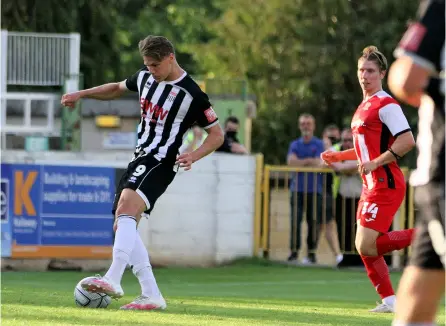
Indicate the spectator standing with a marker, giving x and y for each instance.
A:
(231, 143)
(305, 192)
(330, 137)
(347, 187)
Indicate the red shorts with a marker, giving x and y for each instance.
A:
(377, 208)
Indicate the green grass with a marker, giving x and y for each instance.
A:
(241, 294)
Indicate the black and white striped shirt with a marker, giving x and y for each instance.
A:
(424, 43)
(168, 110)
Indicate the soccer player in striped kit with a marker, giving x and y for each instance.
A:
(171, 103)
(417, 78)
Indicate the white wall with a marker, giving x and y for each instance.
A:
(205, 217)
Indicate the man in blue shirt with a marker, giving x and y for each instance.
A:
(306, 188)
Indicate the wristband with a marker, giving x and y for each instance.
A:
(394, 154)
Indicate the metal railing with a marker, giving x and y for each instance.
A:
(276, 219)
(39, 59)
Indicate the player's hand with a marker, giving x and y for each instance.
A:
(70, 99)
(115, 225)
(185, 161)
(367, 167)
(330, 157)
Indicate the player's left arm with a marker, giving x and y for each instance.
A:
(213, 141)
(393, 117)
(419, 56)
(208, 120)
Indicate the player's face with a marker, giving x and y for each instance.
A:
(369, 76)
(160, 70)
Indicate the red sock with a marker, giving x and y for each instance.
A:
(395, 240)
(378, 273)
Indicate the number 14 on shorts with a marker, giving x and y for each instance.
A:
(369, 208)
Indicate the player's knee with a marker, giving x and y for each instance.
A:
(365, 248)
(127, 209)
(130, 203)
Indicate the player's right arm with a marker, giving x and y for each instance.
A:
(331, 156)
(104, 92)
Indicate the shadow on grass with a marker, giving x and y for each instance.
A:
(195, 313)
(69, 320)
(319, 316)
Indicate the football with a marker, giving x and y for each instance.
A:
(87, 299)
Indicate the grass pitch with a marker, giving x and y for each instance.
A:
(242, 294)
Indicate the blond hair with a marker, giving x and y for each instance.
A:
(371, 53)
(156, 47)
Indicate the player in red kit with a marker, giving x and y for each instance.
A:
(381, 137)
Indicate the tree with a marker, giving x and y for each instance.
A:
(300, 56)
(297, 55)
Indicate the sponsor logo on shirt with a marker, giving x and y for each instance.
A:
(413, 37)
(210, 114)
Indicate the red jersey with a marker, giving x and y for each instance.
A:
(375, 125)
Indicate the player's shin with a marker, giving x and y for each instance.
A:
(378, 273)
(140, 262)
(124, 243)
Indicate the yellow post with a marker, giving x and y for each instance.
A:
(411, 214)
(403, 212)
(258, 204)
(265, 215)
(248, 132)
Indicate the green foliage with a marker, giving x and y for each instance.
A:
(300, 56)
(297, 55)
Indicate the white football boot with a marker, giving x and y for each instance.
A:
(383, 308)
(146, 303)
(99, 284)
